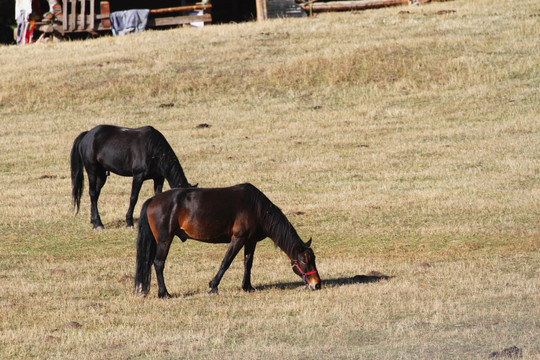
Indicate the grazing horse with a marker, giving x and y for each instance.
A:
(142, 153)
(240, 215)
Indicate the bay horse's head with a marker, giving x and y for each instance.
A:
(304, 266)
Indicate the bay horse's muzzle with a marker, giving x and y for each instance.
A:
(311, 278)
(314, 283)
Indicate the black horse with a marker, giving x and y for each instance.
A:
(142, 153)
(240, 215)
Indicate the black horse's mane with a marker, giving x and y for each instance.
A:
(276, 225)
(165, 158)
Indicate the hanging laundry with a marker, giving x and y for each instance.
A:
(129, 21)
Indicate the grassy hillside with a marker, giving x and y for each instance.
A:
(405, 141)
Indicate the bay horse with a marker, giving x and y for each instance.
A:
(141, 153)
(240, 215)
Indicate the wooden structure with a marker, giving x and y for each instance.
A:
(80, 16)
(92, 16)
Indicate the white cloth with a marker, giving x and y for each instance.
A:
(128, 21)
(25, 5)
(22, 28)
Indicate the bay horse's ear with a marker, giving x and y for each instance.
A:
(308, 244)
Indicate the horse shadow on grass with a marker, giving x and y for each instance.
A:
(371, 277)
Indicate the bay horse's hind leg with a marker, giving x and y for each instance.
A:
(96, 180)
(232, 251)
(135, 189)
(159, 264)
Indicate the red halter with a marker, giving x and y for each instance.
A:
(304, 274)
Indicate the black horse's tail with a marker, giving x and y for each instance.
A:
(146, 252)
(77, 175)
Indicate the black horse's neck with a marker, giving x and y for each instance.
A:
(165, 160)
(174, 173)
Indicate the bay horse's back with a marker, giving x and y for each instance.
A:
(230, 209)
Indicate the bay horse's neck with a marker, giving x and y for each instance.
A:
(290, 246)
(283, 234)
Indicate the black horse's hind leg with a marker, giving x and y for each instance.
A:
(96, 180)
(158, 185)
(135, 189)
(249, 250)
(159, 265)
(232, 251)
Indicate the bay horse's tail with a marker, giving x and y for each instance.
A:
(146, 252)
(77, 174)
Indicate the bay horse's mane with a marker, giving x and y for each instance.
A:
(165, 158)
(275, 224)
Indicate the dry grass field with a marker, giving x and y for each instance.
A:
(405, 141)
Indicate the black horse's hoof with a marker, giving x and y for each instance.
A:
(213, 291)
(99, 228)
(248, 289)
(166, 295)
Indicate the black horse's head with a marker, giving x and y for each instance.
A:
(304, 266)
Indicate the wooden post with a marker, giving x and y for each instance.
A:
(73, 21)
(352, 5)
(65, 15)
(181, 8)
(105, 9)
(83, 14)
(92, 15)
(262, 12)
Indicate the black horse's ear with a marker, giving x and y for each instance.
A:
(196, 185)
(308, 244)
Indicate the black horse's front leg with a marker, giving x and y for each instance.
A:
(158, 185)
(232, 251)
(135, 189)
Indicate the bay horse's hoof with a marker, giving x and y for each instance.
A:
(165, 296)
(130, 227)
(213, 291)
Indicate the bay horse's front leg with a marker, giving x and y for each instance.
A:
(249, 250)
(135, 189)
(232, 251)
